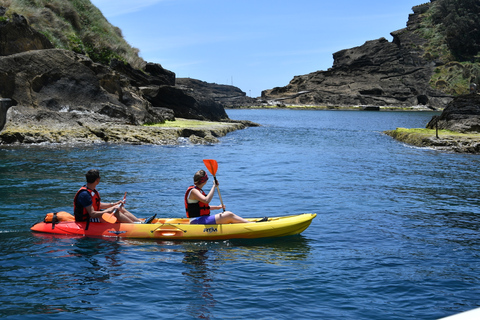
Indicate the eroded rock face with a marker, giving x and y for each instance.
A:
(55, 79)
(462, 114)
(187, 104)
(5, 104)
(47, 84)
(380, 73)
(226, 95)
(17, 36)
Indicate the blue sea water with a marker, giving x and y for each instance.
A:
(396, 235)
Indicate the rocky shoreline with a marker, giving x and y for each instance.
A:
(85, 130)
(344, 108)
(447, 141)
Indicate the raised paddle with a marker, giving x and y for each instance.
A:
(110, 217)
(212, 167)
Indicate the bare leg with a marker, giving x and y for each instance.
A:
(125, 216)
(229, 217)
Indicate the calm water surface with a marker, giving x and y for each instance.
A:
(396, 236)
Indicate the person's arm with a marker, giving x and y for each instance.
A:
(197, 195)
(104, 205)
(85, 201)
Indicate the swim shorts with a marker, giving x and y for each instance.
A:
(203, 220)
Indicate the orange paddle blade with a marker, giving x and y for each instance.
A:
(211, 165)
(109, 217)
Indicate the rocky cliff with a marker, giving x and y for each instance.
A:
(379, 73)
(226, 95)
(47, 84)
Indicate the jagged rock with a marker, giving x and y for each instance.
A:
(462, 114)
(378, 73)
(154, 74)
(59, 86)
(17, 36)
(56, 79)
(5, 104)
(226, 95)
(185, 103)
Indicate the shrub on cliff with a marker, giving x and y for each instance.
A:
(452, 28)
(459, 22)
(76, 25)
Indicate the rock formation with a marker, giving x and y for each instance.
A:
(462, 114)
(4, 105)
(226, 95)
(17, 36)
(379, 73)
(48, 85)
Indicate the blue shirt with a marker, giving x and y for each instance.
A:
(84, 199)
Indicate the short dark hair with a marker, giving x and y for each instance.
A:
(92, 175)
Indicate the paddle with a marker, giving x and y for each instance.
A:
(212, 167)
(110, 217)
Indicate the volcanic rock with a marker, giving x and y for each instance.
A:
(462, 114)
(17, 36)
(52, 87)
(379, 72)
(226, 95)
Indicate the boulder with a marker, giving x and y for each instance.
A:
(462, 114)
(17, 36)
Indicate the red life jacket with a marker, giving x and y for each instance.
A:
(80, 212)
(196, 209)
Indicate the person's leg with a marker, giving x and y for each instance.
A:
(125, 216)
(229, 217)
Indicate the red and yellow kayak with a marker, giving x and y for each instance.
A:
(181, 229)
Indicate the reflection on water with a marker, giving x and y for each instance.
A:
(199, 279)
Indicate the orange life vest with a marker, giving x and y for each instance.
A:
(196, 209)
(80, 212)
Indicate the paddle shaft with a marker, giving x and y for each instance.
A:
(218, 190)
(108, 216)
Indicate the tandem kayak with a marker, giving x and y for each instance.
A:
(181, 229)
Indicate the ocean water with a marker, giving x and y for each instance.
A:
(395, 237)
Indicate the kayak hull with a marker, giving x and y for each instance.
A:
(181, 229)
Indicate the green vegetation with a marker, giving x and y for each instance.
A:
(184, 123)
(447, 140)
(419, 134)
(76, 25)
(452, 31)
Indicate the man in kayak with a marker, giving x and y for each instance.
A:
(87, 204)
(198, 208)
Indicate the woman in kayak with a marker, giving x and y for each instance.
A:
(198, 208)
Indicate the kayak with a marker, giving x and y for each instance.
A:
(181, 229)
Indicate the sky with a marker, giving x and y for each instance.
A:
(252, 44)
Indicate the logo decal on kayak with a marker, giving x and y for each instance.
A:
(210, 230)
(117, 232)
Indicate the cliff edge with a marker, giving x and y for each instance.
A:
(379, 73)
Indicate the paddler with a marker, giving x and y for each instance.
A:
(87, 204)
(198, 208)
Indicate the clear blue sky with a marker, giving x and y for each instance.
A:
(252, 44)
